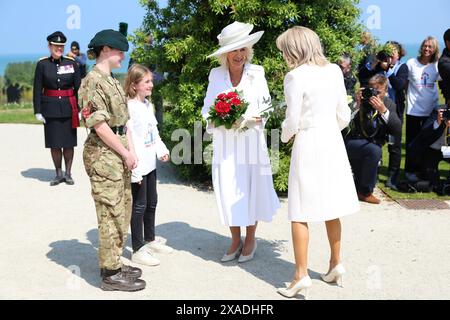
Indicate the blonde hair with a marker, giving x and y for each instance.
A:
(434, 44)
(224, 61)
(135, 74)
(301, 45)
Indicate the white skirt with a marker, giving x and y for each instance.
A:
(242, 177)
(321, 186)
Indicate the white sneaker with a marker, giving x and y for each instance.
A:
(158, 247)
(142, 256)
(160, 239)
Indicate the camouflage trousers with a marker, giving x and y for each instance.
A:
(111, 190)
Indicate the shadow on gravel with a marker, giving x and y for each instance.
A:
(81, 259)
(45, 175)
(210, 246)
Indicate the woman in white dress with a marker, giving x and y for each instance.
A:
(321, 186)
(241, 171)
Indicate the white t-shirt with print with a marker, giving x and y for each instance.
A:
(422, 88)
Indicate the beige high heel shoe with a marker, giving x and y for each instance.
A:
(301, 285)
(243, 258)
(229, 257)
(335, 275)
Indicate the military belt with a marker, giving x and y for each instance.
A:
(117, 130)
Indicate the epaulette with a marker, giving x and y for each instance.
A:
(70, 58)
(43, 58)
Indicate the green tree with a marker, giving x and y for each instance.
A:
(21, 73)
(185, 32)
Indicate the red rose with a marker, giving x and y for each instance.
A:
(221, 96)
(232, 95)
(235, 101)
(222, 107)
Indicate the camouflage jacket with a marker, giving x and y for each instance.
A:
(102, 98)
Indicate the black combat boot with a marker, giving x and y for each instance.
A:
(129, 271)
(116, 280)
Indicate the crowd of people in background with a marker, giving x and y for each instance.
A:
(398, 88)
(123, 144)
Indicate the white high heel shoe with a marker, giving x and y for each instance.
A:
(228, 257)
(243, 258)
(302, 285)
(335, 275)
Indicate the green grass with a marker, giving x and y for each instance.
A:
(17, 115)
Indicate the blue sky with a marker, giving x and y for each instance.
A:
(408, 22)
(25, 30)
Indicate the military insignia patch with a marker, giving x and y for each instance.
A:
(86, 111)
(66, 69)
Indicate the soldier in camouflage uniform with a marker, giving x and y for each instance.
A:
(109, 158)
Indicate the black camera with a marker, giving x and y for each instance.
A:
(383, 56)
(368, 93)
(446, 114)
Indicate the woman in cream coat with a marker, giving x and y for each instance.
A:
(241, 171)
(321, 186)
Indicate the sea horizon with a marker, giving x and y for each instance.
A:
(6, 59)
(411, 52)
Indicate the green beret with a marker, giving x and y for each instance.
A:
(110, 38)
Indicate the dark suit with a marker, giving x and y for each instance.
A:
(425, 157)
(47, 77)
(364, 152)
(444, 72)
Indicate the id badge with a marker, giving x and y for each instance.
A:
(445, 152)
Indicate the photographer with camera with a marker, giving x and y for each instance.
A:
(388, 62)
(444, 68)
(431, 146)
(375, 118)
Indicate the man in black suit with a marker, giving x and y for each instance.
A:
(444, 68)
(375, 119)
(426, 148)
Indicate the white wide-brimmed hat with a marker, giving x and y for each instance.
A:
(236, 35)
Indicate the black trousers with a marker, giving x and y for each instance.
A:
(413, 126)
(431, 161)
(395, 153)
(364, 157)
(145, 199)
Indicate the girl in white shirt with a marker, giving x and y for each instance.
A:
(422, 95)
(148, 146)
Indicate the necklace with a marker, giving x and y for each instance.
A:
(235, 82)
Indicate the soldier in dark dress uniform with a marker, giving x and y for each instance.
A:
(56, 82)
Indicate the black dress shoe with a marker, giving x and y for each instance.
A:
(128, 271)
(121, 282)
(132, 272)
(68, 179)
(57, 180)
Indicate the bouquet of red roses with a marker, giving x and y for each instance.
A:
(228, 109)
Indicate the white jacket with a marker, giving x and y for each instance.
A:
(147, 142)
(321, 186)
